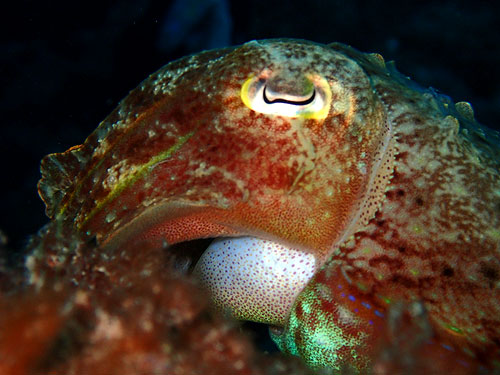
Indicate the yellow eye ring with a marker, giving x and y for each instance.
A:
(316, 106)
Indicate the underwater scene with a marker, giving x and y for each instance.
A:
(225, 187)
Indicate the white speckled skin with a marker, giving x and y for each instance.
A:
(256, 279)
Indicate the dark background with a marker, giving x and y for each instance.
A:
(64, 67)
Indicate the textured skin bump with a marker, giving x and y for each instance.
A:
(255, 279)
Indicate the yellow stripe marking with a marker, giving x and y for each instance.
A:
(138, 174)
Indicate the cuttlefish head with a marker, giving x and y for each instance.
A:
(280, 149)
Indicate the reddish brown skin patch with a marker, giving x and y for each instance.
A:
(133, 314)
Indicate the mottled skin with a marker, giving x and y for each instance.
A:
(435, 238)
(184, 144)
(394, 188)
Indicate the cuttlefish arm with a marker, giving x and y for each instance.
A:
(320, 151)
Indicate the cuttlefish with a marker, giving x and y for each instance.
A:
(347, 204)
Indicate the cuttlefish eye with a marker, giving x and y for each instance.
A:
(287, 94)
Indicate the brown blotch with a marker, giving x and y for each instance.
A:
(496, 340)
(490, 273)
(419, 201)
(403, 280)
(448, 271)
(396, 177)
(92, 241)
(401, 155)
(418, 121)
(400, 193)
(402, 249)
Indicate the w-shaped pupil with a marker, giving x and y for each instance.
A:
(287, 101)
